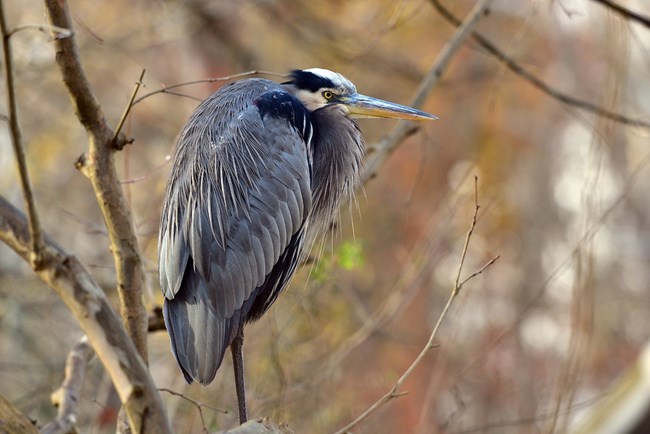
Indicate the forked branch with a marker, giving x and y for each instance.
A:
(394, 392)
(92, 310)
(99, 166)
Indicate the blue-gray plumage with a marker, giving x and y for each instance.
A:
(260, 170)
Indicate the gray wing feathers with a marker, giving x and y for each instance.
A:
(185, 320)
(226, 223)
(172, 263)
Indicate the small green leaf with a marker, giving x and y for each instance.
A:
(350, 255)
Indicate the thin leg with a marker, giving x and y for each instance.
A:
(237, 348)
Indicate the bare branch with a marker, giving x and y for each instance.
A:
(35, 235)
(167, 89)
(92, 310)
(99, 167)
(166, 161)
(57, 32)
(127, 109)
(468, 237)
(394, 391)
(480, 270)
(199, 406)
(12, 421)
(458, 283)
(67, 397)
(535, 81)
(625, 13)
(379, 152)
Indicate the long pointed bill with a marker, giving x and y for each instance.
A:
(361, 106)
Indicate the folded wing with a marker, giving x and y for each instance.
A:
(233, 218)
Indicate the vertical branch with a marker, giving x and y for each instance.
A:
(68, 396)
(99, 167)
(35, 235)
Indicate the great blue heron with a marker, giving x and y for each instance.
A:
(260, 170)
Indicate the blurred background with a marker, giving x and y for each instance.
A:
(528, 347)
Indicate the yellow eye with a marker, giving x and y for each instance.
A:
(328, 95)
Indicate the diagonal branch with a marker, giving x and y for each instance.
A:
(394, 392)
(537, 82)
(35, 235)
(127, 110)
(625, 12)
(13, 421)
(99, 166)
(378, 153)
(92, 310)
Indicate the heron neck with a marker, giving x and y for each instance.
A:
(337, 154)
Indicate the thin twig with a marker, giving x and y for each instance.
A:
(35, 234)
(531, 421)
(166, 89)
(537, 82)
(127, 109)
(458, 284)
(587, 237)
(182, 95)
(625, 13)
(167, 160)
(480, 270)
(67, 397)
(199, 405)
(379, 152)
(58, 32)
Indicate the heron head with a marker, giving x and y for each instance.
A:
(317, 88)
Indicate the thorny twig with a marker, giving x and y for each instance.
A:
(458, 284)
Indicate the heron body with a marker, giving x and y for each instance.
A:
(260, 170)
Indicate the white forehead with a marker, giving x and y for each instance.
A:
(336, 78)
